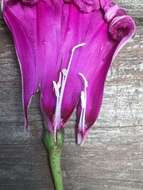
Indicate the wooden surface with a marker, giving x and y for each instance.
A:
(112, 158)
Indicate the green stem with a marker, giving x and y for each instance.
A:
(54, 149)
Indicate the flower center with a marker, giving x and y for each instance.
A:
(59, 88)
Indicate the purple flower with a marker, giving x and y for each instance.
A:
(64, 51)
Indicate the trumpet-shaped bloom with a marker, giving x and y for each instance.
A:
(64, 50)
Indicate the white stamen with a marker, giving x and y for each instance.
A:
(64, 72)
(84, 80)
(72, 53)
(59, 81)
(60, 87)
(83, 103)
(56, 88)
(83, 100)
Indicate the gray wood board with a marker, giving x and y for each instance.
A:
(112, 157)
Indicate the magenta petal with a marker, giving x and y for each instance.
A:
(22, 27)
(121, 29)
(87, 5)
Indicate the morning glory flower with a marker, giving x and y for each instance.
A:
(65, 49)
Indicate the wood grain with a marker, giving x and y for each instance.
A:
(112, 158)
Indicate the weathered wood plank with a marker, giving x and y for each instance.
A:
(134, 7)
(26, 167)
